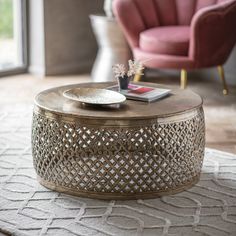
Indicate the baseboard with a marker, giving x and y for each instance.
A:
(62, 69)
(230, 78)
(72, 68)
(37, 70)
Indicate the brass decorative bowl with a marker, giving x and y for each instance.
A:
(94, 96)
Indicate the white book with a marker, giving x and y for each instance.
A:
(142, 93)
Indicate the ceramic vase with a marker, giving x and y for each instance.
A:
(123, 82)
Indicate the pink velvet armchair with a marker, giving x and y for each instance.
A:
(179, 34)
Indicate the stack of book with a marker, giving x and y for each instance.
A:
(142, 93)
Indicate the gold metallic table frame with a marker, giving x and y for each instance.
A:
(122, 158)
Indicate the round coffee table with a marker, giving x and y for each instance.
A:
(139, 150)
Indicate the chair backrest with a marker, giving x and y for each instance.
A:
(135, 16)
(170, 12)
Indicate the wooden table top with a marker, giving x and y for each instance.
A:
(177, 102)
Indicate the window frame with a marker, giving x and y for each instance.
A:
(24, 40)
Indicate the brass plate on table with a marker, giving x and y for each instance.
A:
(94, 96)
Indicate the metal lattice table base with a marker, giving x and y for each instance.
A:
(118, 159)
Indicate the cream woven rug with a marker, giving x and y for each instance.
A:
(26, 208)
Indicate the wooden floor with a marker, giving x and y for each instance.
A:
(220, 110)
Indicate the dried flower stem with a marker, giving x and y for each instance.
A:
(135, 67)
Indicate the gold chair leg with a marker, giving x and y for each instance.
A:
(137, 77)
(222, 76)
(183, 79)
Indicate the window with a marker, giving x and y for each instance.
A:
(12, 36)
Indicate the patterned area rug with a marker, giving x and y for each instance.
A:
(27, 208)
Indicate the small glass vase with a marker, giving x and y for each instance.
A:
(123, 82)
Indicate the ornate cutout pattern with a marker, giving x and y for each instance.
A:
(153, 158)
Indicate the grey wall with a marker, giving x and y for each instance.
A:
(69, 41)
(64, 28)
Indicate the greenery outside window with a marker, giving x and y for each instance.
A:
(12, 36)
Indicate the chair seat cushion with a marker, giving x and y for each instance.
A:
(170, 40)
